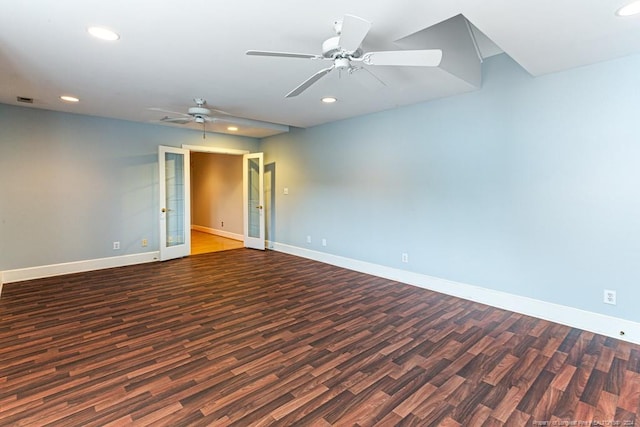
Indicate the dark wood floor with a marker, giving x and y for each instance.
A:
(244, 337)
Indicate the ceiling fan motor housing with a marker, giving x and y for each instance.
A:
(331, 49)
(199, 111)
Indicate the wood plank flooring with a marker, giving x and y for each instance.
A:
(245, 337)
(202, 243)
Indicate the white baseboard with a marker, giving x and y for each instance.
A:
(21, 274)
(217, 232)
(570, 316)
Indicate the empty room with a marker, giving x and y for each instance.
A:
(431, 213)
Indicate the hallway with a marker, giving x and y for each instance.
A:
(204, 242)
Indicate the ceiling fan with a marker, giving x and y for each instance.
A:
(344, 49)
(200, 113)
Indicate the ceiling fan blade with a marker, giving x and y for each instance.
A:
(176, 113)
(406, 58)
(178, 120)
(282, 54)
(354, 30)
(311, 80)
(215, 110)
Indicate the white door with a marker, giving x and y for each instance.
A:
(175, 202)
(253, 193)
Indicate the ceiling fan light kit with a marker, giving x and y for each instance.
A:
(345, 49)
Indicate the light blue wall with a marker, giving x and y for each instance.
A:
(529, 186)
(71, 185)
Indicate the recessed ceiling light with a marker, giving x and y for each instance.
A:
(632, 8)
(329, 99)
(69, 98)
(103, 33)
(232, 128)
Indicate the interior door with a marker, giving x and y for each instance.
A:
(253, 194)
(175, 202)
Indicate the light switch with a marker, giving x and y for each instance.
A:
(286, 190)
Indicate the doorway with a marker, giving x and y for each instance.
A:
(216, 202)
(176, 220)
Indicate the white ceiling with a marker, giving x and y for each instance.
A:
(171, 52)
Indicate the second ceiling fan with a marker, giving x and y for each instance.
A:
(344, 48)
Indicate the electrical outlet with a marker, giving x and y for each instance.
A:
(308, 239)
(405, 257)
(222, 224)
(609, 297)
(116, 246)
(324, 242)
(145, 242)
(286, 191)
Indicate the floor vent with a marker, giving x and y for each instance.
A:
(24, 99)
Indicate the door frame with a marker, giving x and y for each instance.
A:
(215, 150)
(249, 243)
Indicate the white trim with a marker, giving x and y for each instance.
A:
(217, 232)
(248, 204)
(176, 249)
(214, 150)
(1, 282)
(589, 321)
(21, 274)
